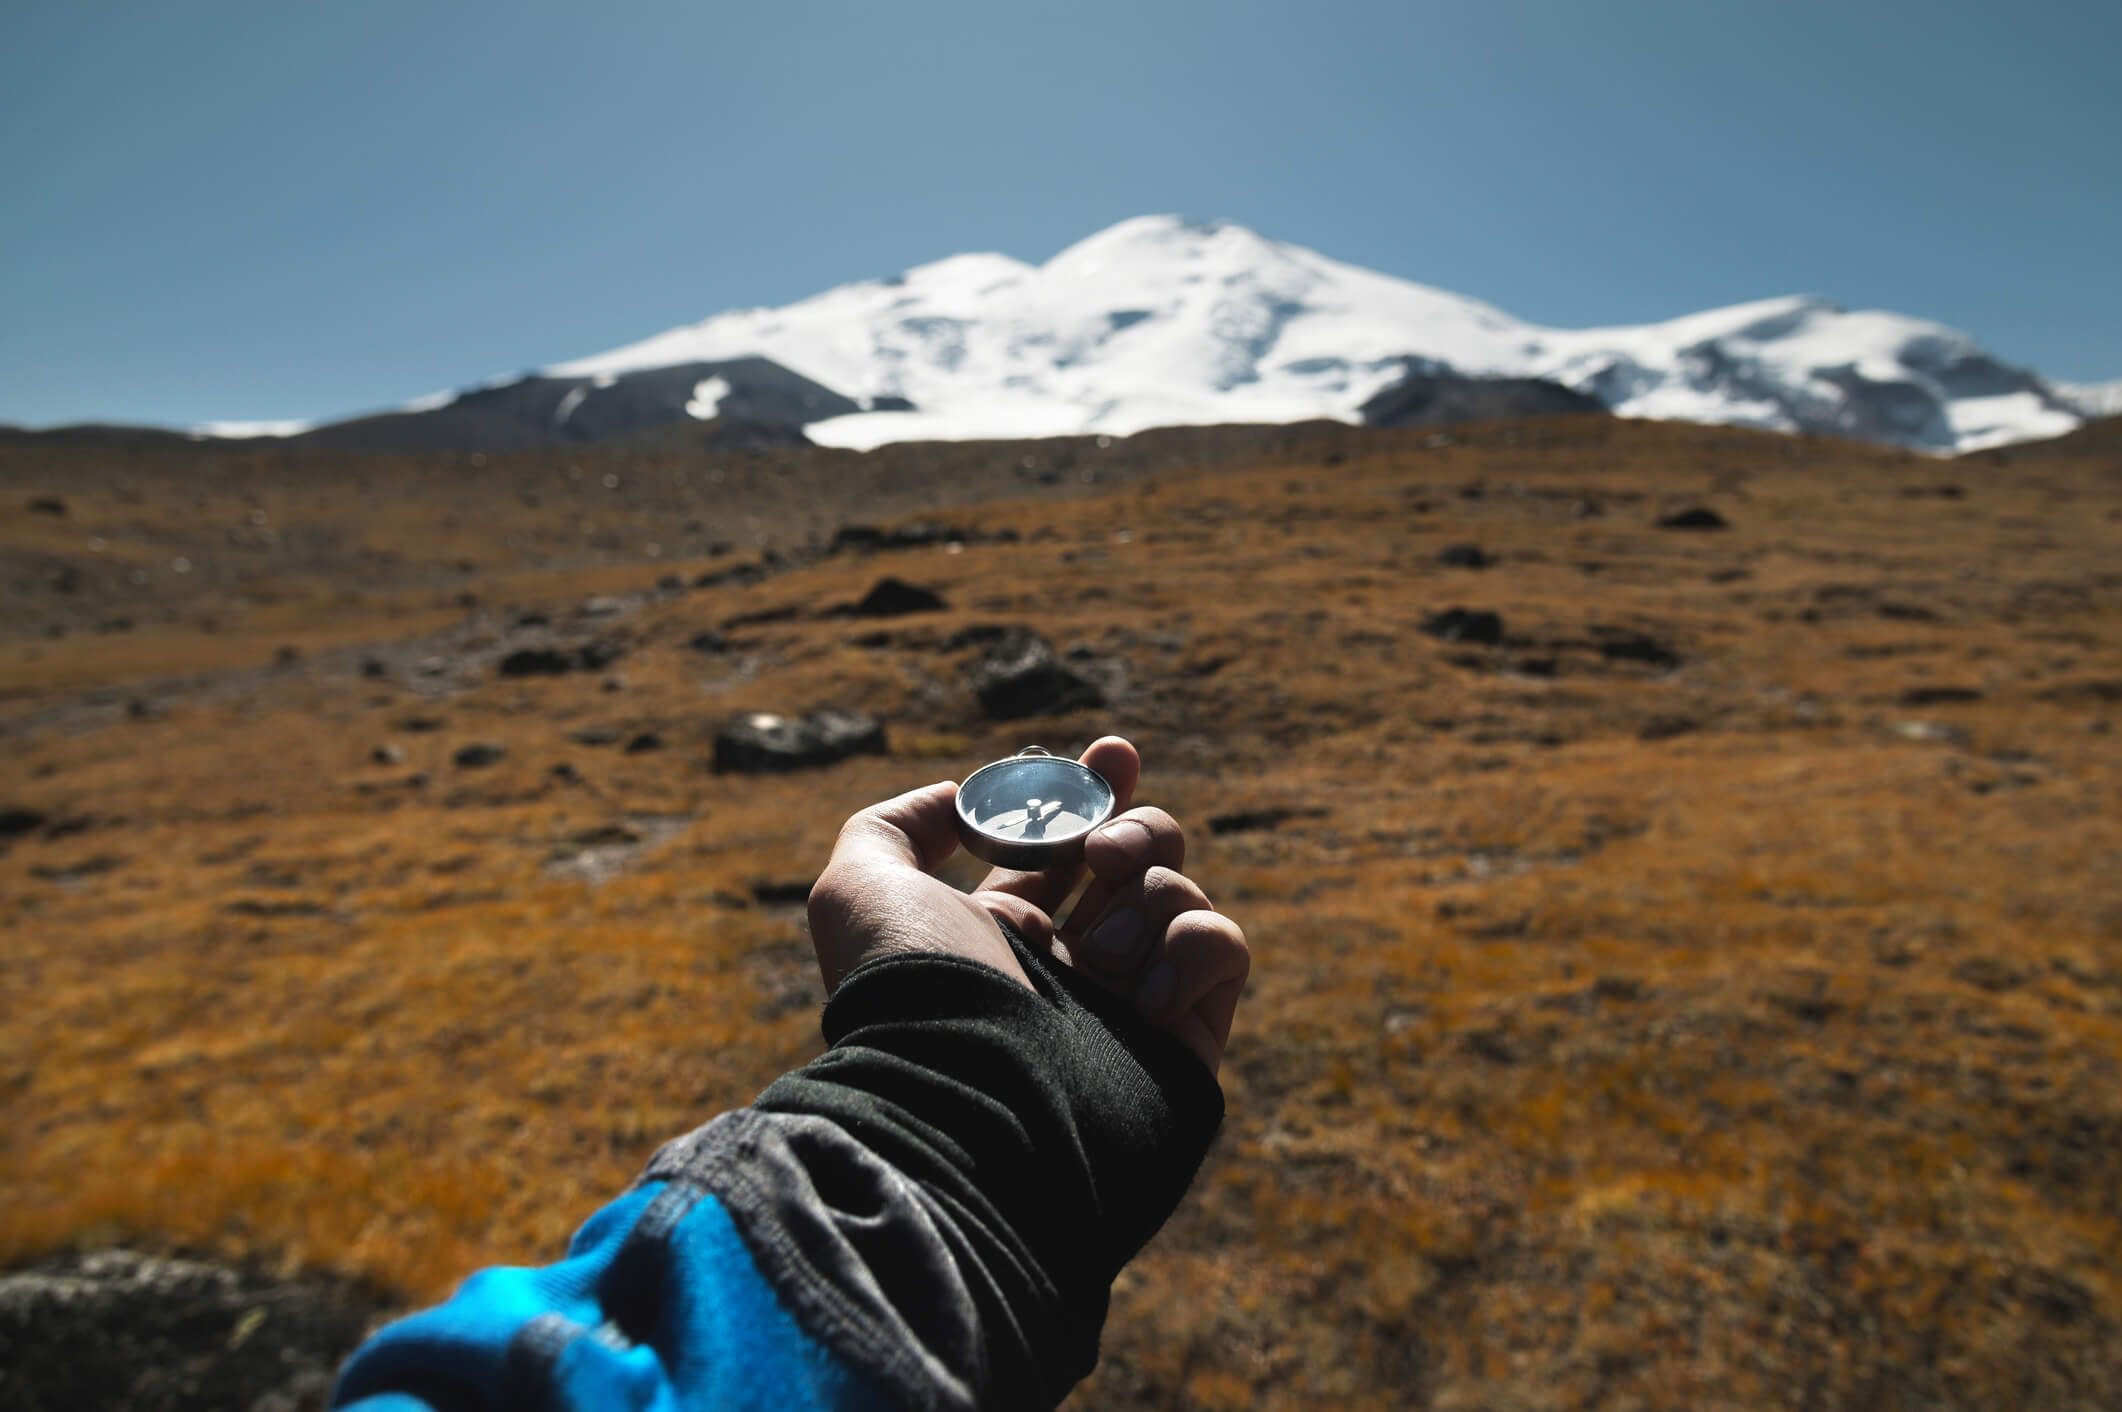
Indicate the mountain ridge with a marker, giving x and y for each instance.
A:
(1162, 321)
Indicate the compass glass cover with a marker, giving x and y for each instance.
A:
(1037, 800)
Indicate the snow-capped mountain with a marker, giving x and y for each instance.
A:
(1160, 321)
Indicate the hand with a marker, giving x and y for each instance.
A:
(1142, 928)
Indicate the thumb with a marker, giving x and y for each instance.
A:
(917, 830)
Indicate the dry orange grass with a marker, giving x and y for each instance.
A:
(1745, 1032)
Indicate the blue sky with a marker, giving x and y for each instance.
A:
(303, 210)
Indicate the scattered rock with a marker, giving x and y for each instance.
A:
(1019, 676)
(94, 866)
(1907, 612)
(1257, 820)
(1939, 695)
(643, 743)
(892, 597)
(1465, 556)
(596, 655)
(708, 642)
(478, 755)
(1666, 727)
(115, 1328)
(47, 505)
(781, 893)
(536, 662)
(1699, 518)
(14, 823)
(764, 743)
(1930, 733)
(387, 754)
(286, 656)
(740, 574)
(374, 668)
(977, 635)
(256, 907)
(601, 606)
(918, 535)
(421, 725)
(1465, 625)
(1628, 645)
(595, 735)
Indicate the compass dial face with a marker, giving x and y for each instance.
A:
(1028, 801)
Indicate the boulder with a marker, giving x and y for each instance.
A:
(893, 597)
(764, 743)
(118, 1329)
(1020, 676)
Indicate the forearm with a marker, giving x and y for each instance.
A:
(931, 1213)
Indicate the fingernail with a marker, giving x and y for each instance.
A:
(1114, 940)
(1127, 835)
(1157, 990)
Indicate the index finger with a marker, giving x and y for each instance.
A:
(1117, 760)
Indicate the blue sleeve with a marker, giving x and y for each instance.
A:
(658, 1304)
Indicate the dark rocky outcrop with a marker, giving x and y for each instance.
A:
(765, 406)
(1019, 676)
(1428, 396)
(120, 1329)
(764, 743)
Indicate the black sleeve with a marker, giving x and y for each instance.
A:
(944, 1196)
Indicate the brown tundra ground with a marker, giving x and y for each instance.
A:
(1706, 994)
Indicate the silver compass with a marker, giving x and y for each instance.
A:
(1032, 810)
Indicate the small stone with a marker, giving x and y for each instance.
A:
(595, 735)
(387, 754)
(47, 505)
(478, 755)
(595, 656)
(892, 597)
(1699, 517)
(16, 822)
(1465, 556)
(708, 643)
(373, 668)
(601, 606)
(1940, 695)
(536, 662)
(1474, 625)
(643, 743)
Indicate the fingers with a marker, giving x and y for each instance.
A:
(1192, 987)
(1118, 855)
(1120, 765)
(1119, 939)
